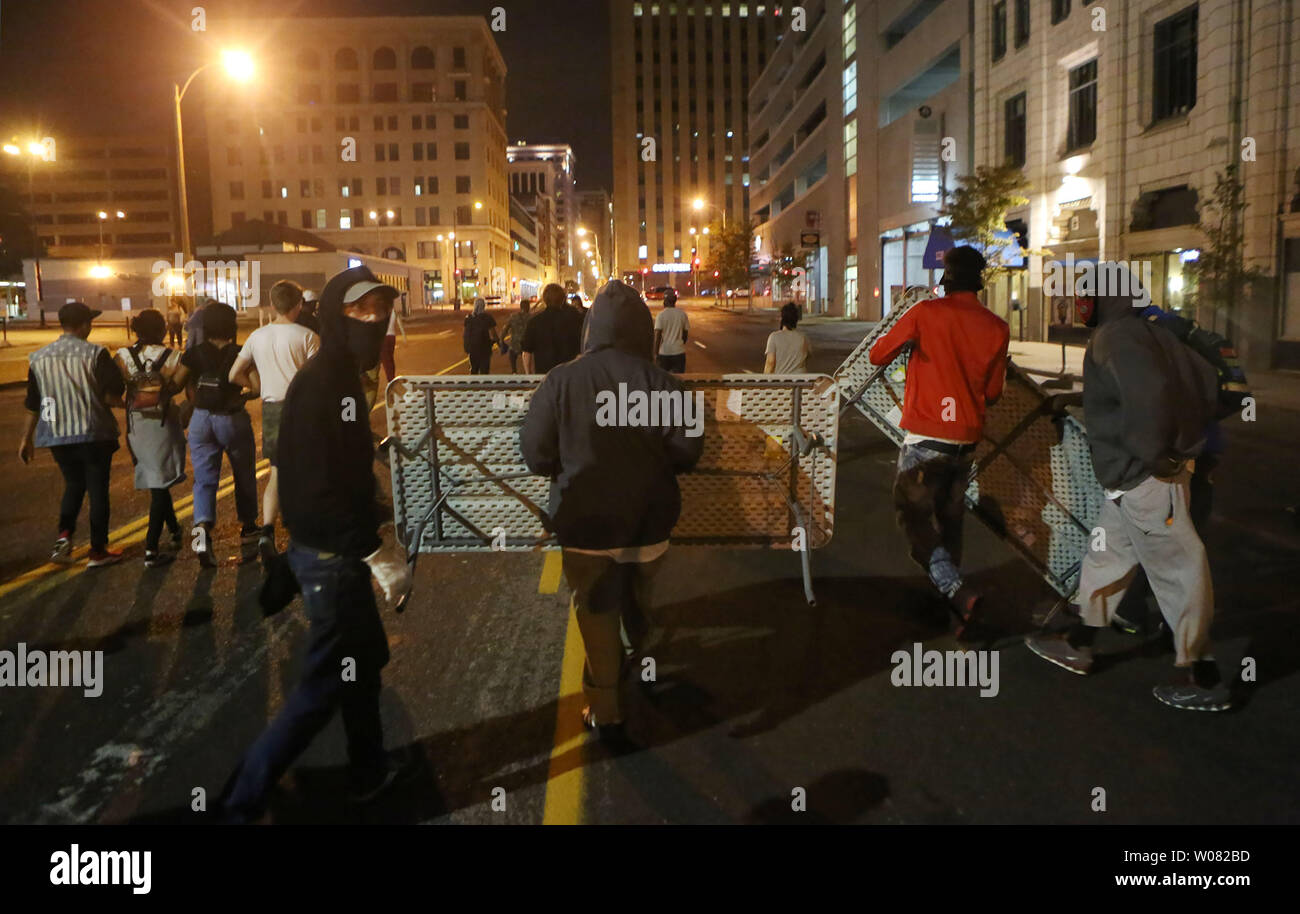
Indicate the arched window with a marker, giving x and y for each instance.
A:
(385, 59)
(422, 58)
(308, 59)
(345, 59)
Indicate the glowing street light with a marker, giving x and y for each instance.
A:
(239, 67)
(12, 149)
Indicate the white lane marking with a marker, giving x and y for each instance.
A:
(440, 333)
(749, 371)
(698, 343)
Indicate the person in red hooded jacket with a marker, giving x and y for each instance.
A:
(957, 367)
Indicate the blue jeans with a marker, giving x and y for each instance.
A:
(211, 435)
(345, 624)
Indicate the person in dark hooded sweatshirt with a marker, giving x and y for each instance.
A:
(1147, 400)
(329, 505)
(614, 498)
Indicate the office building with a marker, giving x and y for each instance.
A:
(384, 135)
(549, 170)
(680, 79)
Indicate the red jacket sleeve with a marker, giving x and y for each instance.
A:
(998, 371)
(891, 344)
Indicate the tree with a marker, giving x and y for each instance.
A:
(978, 212)
(1222, 277)
(729, 252)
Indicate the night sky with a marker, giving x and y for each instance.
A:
(105, 65)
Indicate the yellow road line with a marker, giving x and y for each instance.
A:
(453, 367)
(44, 577)
(564, 788)
(552, 566)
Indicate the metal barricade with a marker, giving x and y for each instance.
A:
(766, 478)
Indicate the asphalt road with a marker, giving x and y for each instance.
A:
(759, 694)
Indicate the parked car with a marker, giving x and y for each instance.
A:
(657, 293)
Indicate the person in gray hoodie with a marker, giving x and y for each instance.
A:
(1147, 402)
(614, 498)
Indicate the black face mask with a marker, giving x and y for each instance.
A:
(365, 340)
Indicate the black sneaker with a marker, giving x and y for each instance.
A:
(1124, 625)
(155, 558)
(266, 544)
(249, 535)
(1189, 696)
(1056, 649)
(371, 783)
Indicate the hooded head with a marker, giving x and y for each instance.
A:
(619, 319)
(1118, 294)
(480, 305)
(361, 333)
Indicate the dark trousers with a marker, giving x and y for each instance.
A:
(605, 593)
(161, 512)
(514, 361)
(929, 502)
(85, 468)
(344, 624)
(174, 335)
(673, 363)
(1134, 607)
(480, 361)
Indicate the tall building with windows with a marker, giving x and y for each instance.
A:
(122, 185)
(550, 170)
(1122, 116)
(859, 123)
(680, 78)
(384, 135)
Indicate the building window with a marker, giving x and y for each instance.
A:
(460, 121)
(458, 58)
(381, 187)
(422, 59)
(430, 122)
(1083, 106)
(925, 161)
(851, 88)
(458, 90)
(431, 151)
(321, 219)
(1014, 130)
(422, 92)
(393, 154)
(266, 190)
(347, 94)
(1174, 65)
(462, 151)
(345, 59)
(1060, 11)
(306, 218)
(417, 152)
(850, 148)
(462, 184)
(384, 59)
(1022, 23)
(431, 186)
(384, 92)
(999, 30)
(345, 218)
(379, 152)
(236, 190)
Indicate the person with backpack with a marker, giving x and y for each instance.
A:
(1131, 616)
(153, 429)
(1147, 401)
(480, 337)
(220, 425)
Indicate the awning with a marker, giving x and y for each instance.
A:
(940, 240)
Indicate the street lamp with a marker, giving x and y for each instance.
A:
(239, 67)
(35, 151)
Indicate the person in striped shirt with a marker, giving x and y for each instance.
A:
(71, 383)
